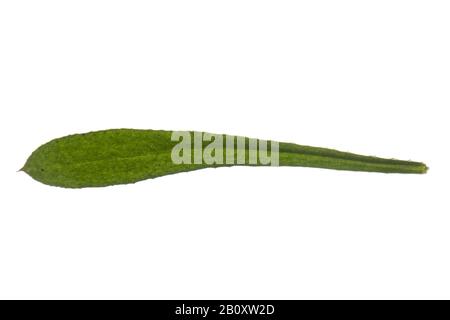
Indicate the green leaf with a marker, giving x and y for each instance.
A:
(121, 156)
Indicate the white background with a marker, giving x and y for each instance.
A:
(371, 77)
